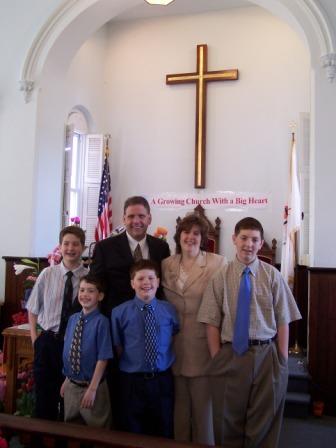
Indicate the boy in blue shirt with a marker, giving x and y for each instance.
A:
(143, 330)
(87, 348)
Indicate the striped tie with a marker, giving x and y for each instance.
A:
(151, 340)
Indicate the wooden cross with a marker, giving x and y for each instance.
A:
(201, 77)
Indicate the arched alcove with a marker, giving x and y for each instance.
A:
(55, 46)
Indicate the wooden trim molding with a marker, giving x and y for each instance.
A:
(322, 335)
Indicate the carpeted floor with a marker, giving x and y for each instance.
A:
(310, 433)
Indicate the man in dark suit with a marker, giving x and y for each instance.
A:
(114, 256)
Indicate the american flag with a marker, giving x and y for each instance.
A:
(104, 220)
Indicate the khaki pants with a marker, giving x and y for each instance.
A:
(248, 394)
(193, 410)
(99, 415)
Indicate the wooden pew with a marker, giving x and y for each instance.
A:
(71, 435)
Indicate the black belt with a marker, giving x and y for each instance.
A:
(260, 341)
(55, 335)
(83, 383)
(148, 375)
(79, 383)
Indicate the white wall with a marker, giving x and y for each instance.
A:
(83, 86)
(32, 134)
(323, 172)
(248, 134)
(18, 27)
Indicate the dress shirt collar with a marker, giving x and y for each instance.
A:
(252, 266)
(143, 245)
(77, 272)
(141, 304)
(133, 243)
(90, 315)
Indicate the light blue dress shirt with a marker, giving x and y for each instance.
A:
(96, 344)
(128, 332)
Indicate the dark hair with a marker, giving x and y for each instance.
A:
(73, 230)
(93, 280)
(137, 200)
(144, 264)
(249, 224)
(186, 224)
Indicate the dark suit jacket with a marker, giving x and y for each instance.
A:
(112, 259)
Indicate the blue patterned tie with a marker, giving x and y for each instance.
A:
(151, 340)
(241, 328)
(75, 349)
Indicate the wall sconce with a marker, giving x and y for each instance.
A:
(159, 2)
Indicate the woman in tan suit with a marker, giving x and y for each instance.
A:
(184, 278)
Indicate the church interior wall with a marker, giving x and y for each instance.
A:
(248, 133)
(22, 141)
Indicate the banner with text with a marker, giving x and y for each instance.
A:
(228, 200)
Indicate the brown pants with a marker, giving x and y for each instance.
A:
(193, 410)
(248, 395)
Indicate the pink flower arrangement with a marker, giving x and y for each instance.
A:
(25, 402)
(75, 220)
(55, 256)
(34, 267)
(20, 318)
(3, 441)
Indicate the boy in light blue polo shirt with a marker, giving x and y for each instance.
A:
(143, 330)
(87, 348)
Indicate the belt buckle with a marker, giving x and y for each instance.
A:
(149, 375)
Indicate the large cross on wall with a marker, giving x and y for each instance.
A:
(201, 77)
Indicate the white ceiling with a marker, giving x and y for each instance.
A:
(178, 7)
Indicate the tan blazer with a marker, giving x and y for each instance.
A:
(190, 344)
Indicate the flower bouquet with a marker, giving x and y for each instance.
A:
(25, 403)
(161, 232)
(28, 284)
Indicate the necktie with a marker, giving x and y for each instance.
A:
(67, 303)
(241, 327)
(151, 341)
(137, 253)
(75, 348)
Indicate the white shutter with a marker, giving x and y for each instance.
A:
(304, 179)
(94, 157)
(67, 174)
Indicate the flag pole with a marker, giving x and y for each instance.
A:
(107, 149)
(104, 224)
(295, 349)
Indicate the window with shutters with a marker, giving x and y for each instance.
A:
(83, 163)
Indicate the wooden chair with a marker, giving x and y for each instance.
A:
(214, 230)
(268, 253)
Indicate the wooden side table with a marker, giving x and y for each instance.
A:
(17, 347)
